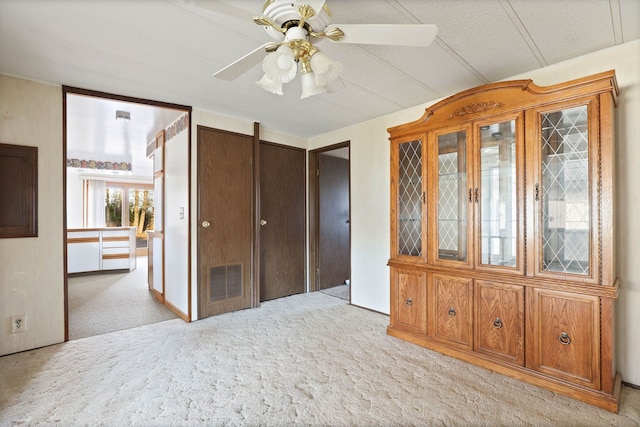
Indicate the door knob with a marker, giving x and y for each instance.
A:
(263, 222)
(206, 224)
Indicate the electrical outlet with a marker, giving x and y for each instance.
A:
(18, 323)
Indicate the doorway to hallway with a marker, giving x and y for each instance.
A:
(111, 206)
(329, 226)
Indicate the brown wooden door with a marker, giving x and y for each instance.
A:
(282, 219)
(499, 311)
(224, 221)
(452, 309)
(334, 260)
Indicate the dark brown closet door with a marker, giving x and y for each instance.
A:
(333, 200)
(224, 221)
(282, 219)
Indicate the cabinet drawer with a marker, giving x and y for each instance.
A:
(410, 300)
(115, 251)
(83, 236)
(451, 313)
(115, 263)
(499, 321)
(108, 234)
(116, 238)
(115, 242)
(564, 331)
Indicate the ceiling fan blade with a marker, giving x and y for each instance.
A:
(336, 85)
(387, 34)
(244, 64)
(222, 8)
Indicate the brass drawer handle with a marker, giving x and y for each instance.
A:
(409, 302)
(564, 339)
(451, 312)
(497, 323)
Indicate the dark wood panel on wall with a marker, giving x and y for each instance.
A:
(282, 231)
(333, 235)
(18, 191)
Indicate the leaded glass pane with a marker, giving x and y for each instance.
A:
(452, 187)
(410, 198)
(565, 191)
(498, 213)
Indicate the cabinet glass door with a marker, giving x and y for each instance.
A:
(564, 191)
(498, 182)
(454, 197)
(410, 196)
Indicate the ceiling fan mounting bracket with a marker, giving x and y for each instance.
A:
(284, 13)
(296, 23)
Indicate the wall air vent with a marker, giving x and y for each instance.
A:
(225, 282)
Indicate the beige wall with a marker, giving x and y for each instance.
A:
(31, 269)
(176, 229)
(370, 192)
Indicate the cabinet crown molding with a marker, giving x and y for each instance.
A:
(507, 96)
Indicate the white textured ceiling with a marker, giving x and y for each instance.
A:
(167, 50)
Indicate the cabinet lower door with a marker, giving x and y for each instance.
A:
(499, 321)
(451, 309)
(564, 335)
(83, 256)
(410, 300)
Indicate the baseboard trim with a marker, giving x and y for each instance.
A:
(637, 387)
(177, 311)
(159, 295)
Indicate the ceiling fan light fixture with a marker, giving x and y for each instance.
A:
(309, 85)
(269, 85)
(325, 69)
(280, 66)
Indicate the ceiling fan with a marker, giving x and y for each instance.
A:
(295, 25)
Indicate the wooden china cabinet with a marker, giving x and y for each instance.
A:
(502, 233)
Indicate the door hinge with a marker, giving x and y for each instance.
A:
(317, 271)
(317, 172)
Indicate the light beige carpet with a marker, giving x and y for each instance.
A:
(340, 291)
(309, 359)
(108, 302)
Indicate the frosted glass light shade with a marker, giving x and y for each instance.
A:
(269, 85)
(325, 69)
(309, 86)
(280, 66)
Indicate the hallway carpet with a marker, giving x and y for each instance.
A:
(308, 359)
(340, 291)
(108, 302)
